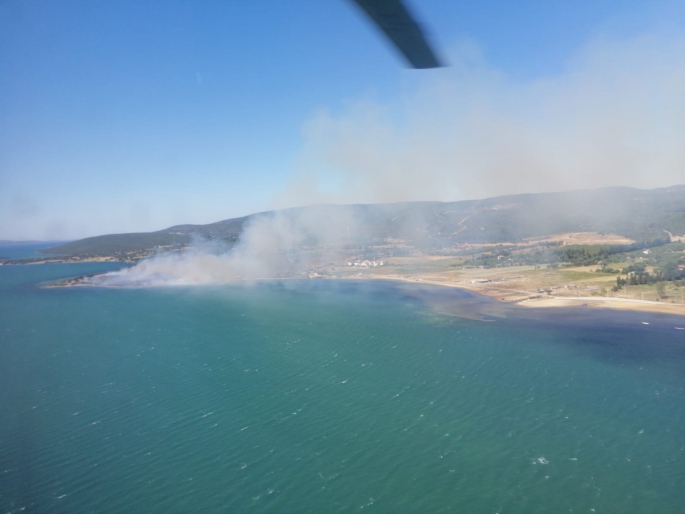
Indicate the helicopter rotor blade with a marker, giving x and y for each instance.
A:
(398, 24)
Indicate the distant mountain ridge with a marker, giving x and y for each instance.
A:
(633, 213)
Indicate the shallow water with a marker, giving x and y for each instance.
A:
(330, 397)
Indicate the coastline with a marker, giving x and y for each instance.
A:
(34, 261)
(541, 300)
(502, 296)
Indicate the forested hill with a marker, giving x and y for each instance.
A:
(637, 214)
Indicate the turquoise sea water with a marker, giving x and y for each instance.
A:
(329, 397)
(25, 251)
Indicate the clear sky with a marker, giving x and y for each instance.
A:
(136, 115)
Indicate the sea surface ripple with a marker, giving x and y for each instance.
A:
(329, 397)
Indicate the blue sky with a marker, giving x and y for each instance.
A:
(137, 115)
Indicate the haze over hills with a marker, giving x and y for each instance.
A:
(632, 213)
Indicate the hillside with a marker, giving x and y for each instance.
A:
(631, 213)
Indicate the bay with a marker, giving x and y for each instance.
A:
(323, 396)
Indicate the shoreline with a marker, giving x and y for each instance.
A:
(540, 300)
(501, 296)
(35, 261)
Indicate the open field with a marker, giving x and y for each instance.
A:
(527, 285)
(583, 238)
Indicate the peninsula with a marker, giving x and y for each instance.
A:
(613, 247)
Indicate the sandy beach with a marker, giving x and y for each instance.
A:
(511, 288)
(543, 300)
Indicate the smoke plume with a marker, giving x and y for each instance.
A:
(614, 116)
(276, 244)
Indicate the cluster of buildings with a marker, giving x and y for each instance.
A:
(365, 264)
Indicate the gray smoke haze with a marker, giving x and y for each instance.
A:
(275, 244)
(615, 116)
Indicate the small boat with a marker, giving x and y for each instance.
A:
(680, 328)
(645, 323)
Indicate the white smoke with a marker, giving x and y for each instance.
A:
(283, 243)
(615, 116)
